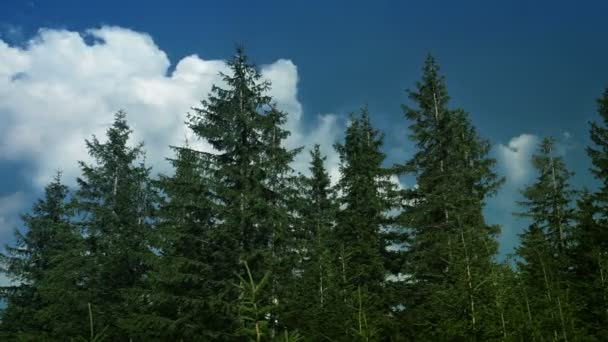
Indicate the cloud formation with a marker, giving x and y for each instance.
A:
(514, 158)
(63, 86)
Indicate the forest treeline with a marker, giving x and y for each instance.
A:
(236, 246)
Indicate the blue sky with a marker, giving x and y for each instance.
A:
(522, 69)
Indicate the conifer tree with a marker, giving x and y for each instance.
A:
(365, 198)
(115, 201)
(178, 301)
(544, 264)
(590, 267)
(253, 181)
(451, 251)
(41, 296)
(599, 152)
(310, 308)
(590, 253)
(548, 200)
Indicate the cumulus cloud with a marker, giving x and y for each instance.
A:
(514, 158)
(62, 86)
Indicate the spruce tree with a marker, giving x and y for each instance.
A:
(451, 251)
(598, 152)
(178, 301)
(590, 266)
(310, 308)
(253, 183)
(115, 202)
(548, 200)
(544, 264)
(365, 198)
(591, 237)
(37, 264)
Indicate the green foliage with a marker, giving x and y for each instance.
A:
(252, 314)
(39, 264)
(99, 337)
(115, 200)
(357, 242)
(177, 301)
(308, 307)
(450, 255)
(590, 239)
(253, 185)
(544, 264)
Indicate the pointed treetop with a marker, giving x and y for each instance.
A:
(431, 93)
(240, 54)
(316, 155)
(317, 166)
(547, 146)
(56, 180)
(52, 203)
(119, 124)
(119, 131)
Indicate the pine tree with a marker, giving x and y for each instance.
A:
(451, 251)
(365, 198)
(115, 202)
(544, 264)
(253, 183)
(37, 264)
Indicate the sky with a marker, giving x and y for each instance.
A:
(522, 69)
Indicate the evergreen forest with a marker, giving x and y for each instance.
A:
(235, 245)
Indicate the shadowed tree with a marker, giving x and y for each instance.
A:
(253, 184)
(545, 266)
(115, 203)
(450, 256)
(46, 290)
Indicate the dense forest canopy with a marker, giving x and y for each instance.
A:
(235, 245)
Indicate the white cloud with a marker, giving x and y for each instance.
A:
(514, 158)
(63, 86)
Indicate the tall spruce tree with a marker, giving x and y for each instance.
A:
(451, 251)
(590, 267)
(590, 253)
(178, 301)
(253, 182)
(34, 263)
(115, 202)
(310, 309)
(365, 198)
(544, 265)
(599, 152)
(548, 200)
